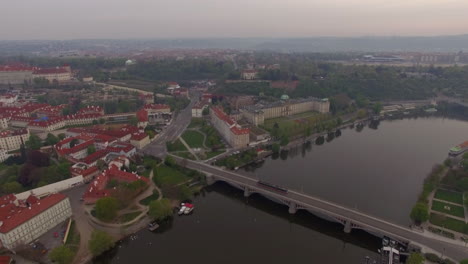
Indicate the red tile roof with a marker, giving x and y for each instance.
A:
(96, 189)
(95, 156)
(5, 260)
(142, 115)
(13, 215)
(11, 68)
(56, 70)
(139, 136)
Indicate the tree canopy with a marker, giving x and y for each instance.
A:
(415, 258)
(106, 208)
(419, 213)
(62, 255)
(100, 242)
(160, 209)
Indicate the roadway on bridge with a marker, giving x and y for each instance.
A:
(444, 245)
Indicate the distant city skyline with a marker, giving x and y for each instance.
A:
(120, 19)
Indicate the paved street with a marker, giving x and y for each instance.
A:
(451, 248)
(157, 148)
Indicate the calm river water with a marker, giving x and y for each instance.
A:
(378, 171)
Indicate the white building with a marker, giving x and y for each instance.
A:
(197, 109)
(249, 74)
(3, 155)
(23, 221)
(12, 139)
(58, 74)
(4, 119)
(8, 99)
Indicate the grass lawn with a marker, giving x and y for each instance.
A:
(454, 197)
(175, 146)
(73, 236)
(165, 175)
(449, 223)
(196, 122)
(193, 138)
(454, 210)
(150, 198)
(127, 217)
(212, 137)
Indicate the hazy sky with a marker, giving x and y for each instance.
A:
(67, 19)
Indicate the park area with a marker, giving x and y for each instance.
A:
(447, 211)
(202, 139)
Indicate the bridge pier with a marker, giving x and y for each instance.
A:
(210, 179)
(292, 208)
(246, 192)
(347, 226)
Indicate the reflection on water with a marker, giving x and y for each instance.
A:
(228, 228)
(377, 168)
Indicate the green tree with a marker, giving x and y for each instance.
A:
(61, 136)
(95, 122)
(415, 258)
(34, 142)
(169, 161)
(106, 208)
(160, 209)
(62, 255)
(448, 162)
(205, 111)
(377, 108)
(100, 242)
(74, 142)
(91, 149)
(420, 213)
(51, 139)
(185, 193)
(102, 120)
(284, 140)
(133, 121)
(101, 164)
(275, 148)
(465, 261)
(12, 187)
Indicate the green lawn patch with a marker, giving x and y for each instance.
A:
(448, 209)
(454, 197)
(175, 146)
(73, 238)
(193, 138)
(166, 176)
(196, 122)
(449, 223)
(213, 139)
(127, 217)
(150, 198)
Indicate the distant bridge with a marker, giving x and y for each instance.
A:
(350, 218)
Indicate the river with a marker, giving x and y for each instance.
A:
(378, 171)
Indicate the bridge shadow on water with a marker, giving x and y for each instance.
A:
(301, 218)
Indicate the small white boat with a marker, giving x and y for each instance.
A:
(182, 209)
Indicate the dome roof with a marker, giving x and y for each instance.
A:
(284, 97)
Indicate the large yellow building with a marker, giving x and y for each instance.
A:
(257, 114)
